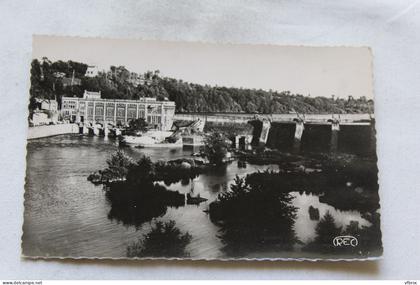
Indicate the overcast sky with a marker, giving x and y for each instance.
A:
(318, 71)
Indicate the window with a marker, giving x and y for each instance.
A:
(110, 111)
(120, 112)
(99, 111)
(131, 113)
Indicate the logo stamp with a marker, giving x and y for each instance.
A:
(340, 241)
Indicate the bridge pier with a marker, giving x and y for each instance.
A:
(242, 142)
(81, 128)
(335, 128)
(265, 129)
(95, 130)
(372, 136)
(300, 127)
(104, 130)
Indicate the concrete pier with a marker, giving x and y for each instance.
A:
(265, 129)
(335, 128)
(299, 128)
(242, 142)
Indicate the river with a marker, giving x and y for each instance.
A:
(67, 216)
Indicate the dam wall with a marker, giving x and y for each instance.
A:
(350, 139)
(52, 130)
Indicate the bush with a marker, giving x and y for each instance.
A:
(215, 148)
(326, 231)
(252, 217)
(164, 240)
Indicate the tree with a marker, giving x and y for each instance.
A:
(326, 231)
(118, 166)
(215, 148)
(188, 97)
(246, 215)
(164, 240)
(142, 173)
(137, 125)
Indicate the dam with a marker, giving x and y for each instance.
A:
(347, 133)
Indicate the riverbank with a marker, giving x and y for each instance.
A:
(51, 130)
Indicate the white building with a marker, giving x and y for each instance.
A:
(40, 118)
(93, 109)
(91, 71)
(47, 104)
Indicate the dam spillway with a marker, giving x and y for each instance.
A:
(351, 139)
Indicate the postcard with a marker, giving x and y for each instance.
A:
(181, 150)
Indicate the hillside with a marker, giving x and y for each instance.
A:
(48, 80)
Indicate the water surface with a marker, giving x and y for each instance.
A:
(66, 215)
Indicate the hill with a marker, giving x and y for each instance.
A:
(119, 83)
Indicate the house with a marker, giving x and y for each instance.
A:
(47, 104)
(92, 71)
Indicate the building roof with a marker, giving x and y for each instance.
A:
(40, 100)
(92, 95)
(97, 98)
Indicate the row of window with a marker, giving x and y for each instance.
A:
(154, 119)
(69, 105)
(151, 108)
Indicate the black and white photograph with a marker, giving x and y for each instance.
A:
(141, 149)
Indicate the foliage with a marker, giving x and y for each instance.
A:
(132, 189)
(368, 237)
(189, 97)
(137, 125)
(142, 172)
(326, 231)
(253, 217)
(215, 148)
(332, 181)
(136, 204)
(164, 240)
(118, 166)
(46, 84)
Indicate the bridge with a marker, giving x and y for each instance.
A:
(317, 119)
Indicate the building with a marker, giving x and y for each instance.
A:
(46, 104)
(92, 71)
(93, 109)
(39, 119)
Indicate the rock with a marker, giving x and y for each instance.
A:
(358, 190)
(185, 165)
(313, 213)
(191, 200)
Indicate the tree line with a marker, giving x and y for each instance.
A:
(117, 83)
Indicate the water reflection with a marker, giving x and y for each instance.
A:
(66, 215)
(305, 227)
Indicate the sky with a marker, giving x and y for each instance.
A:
(314, 71)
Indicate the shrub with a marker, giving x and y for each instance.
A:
(164, 240)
